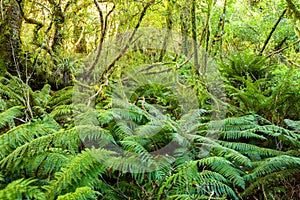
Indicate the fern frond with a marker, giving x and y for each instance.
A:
(94, 136)
(22, 188)
(61, 97)
(3, 104)
(28, 146)
(131, 145)
(198, 184)
(83, 170)
(82, 193)
(286, 136)
(122, 129)
(47, 162)
(7, 116)
(295, 125)
(66, 139)
(224, 167)
(231, 154)
(271, 180)
(25, 133)
(41, 97)
(250, 149)
(149, 129)
(61, 111)
(12, 88)
(271, 165)
(105, 117)
(248, 134)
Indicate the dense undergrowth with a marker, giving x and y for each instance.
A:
(51, 149)
(149, 99)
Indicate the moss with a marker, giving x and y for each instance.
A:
(10, 26)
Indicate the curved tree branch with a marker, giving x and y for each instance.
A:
(103, 24)
(109, 69)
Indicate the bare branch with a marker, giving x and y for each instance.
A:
(109, 68)
(282, 49)
(103, 24)
(272, 31)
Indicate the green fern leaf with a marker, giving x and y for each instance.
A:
(7, 116)
(82, 193)
(21, 188)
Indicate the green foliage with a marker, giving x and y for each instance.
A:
(110, 148)
(71, 144)
(261, 89)
(21, 189)
(82, 193)
(8, 115)
(243, 65)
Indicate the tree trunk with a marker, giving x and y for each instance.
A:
(59, 20)
(184, 23)
(10, 28)
(194, 36)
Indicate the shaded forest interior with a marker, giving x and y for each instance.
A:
(149, 99)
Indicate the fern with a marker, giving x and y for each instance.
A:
(61, 112)
(194, 183)
(224, 167)
(274, 164)
(82, 170)
(250, 149)
(60, 139)
(25, 133)
(295, 125)
(135, 151)
(8, 115)
(61, 97)
(47, 162)
(82, 193)
(41, 97)
(13, 89)
(271, 171)
(22, 188)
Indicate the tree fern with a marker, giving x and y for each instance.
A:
(133, 150)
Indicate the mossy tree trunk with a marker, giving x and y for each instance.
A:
(10, 28)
